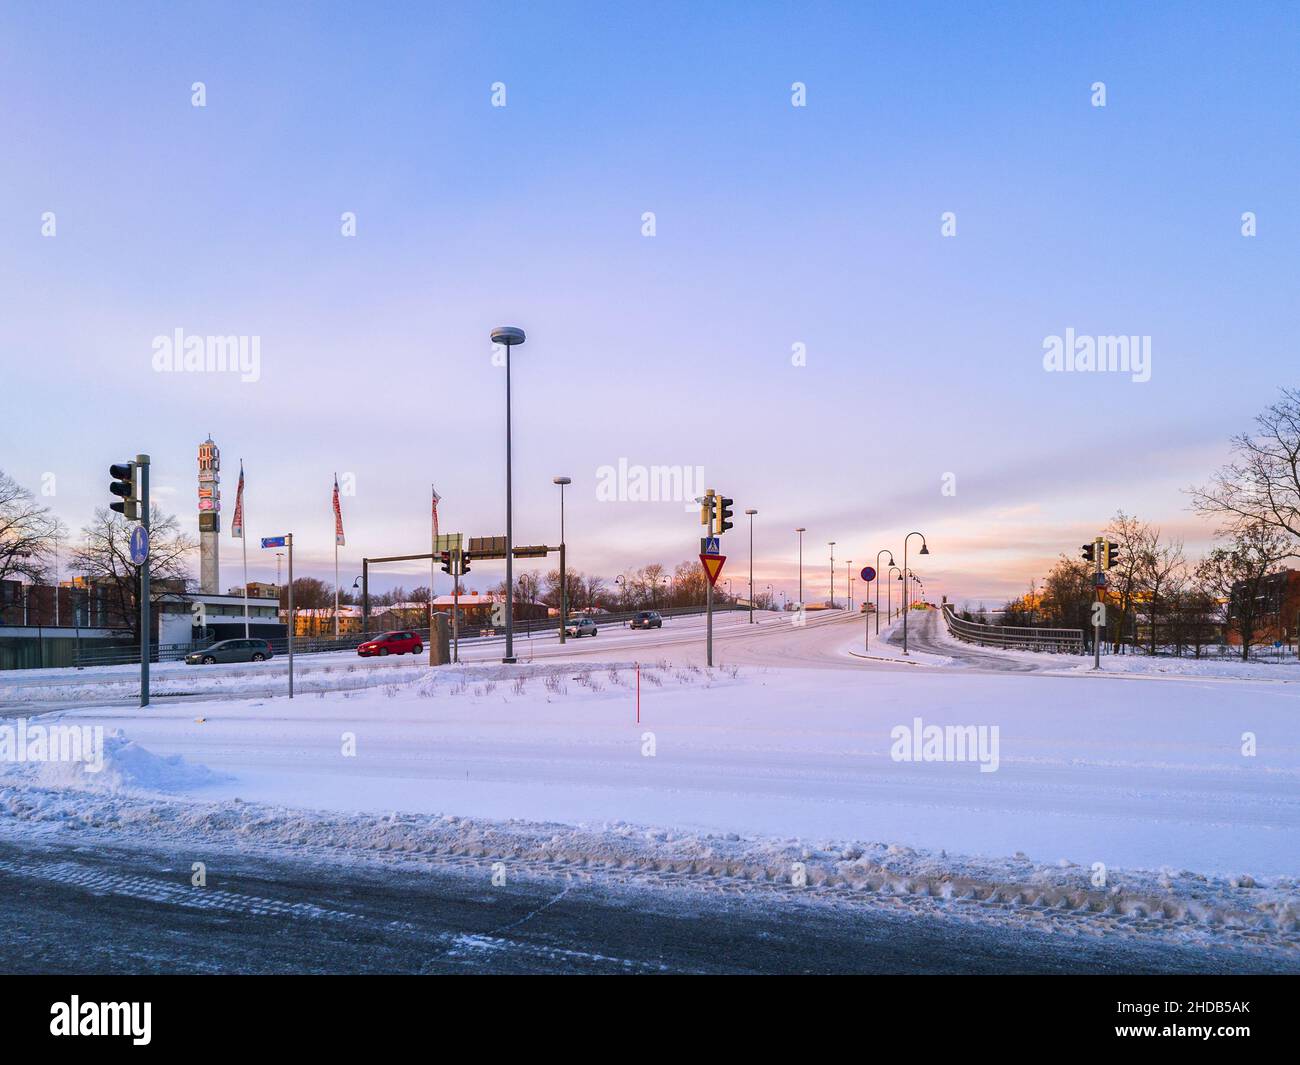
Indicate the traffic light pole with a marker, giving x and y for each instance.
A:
(142, 472)
(1099, 549)
(708, 591)
(288, 540)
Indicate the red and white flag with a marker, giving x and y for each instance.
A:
(436, 499)
(237, 524)
(338, 515)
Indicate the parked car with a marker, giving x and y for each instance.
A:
(580, 627)
(391, 643)
(231, 651)
(648, 619)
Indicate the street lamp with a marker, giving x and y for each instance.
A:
(882, 551)
(511, 336)
(848, 579)
(751, 514)
(889, 591)
(831, 544)
(925, 550)
(801, 531)
(564, 582)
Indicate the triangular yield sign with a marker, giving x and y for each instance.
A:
(712, 566)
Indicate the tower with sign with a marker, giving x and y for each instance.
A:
(209, 517)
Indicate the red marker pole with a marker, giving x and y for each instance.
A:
(638, 693)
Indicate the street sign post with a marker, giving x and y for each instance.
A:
(868, 575)
(139, 545)
(712, 567)
(286, 541)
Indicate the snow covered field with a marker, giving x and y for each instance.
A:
(740, 771)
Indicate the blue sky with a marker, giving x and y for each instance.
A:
(776, 226)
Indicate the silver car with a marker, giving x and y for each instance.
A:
(231, 651)
(580, 627)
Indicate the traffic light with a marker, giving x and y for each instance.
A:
(123, 485)
(446, 562)
(1112, 555)
(706, 509)
(1089, 552)
(464, 562)
(724, 514)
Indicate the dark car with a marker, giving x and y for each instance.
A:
(392, 643)
(231, 651)
(648, 619)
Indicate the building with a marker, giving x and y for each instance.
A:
(319, 621)
(218, 617)
(1277, 609)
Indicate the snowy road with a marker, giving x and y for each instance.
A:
(783, 757)
(270, 915)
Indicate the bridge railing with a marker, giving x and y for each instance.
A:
(1024, 638)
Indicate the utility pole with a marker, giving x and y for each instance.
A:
(832, 547)
(142, 470)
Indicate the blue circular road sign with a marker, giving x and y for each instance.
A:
(139, 545)
(868, 573)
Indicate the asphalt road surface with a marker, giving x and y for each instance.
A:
(116, 910)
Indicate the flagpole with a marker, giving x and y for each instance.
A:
(433, 551)
(243, 539)
(336, 558)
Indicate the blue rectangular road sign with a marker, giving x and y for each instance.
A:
(710, 546)
(273, 541)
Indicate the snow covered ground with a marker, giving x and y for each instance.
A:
(1113, 800)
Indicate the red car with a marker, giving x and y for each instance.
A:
(392, 643)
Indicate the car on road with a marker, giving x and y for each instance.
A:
(231, 651)
(648, 619)
(391, 643)
(580, 627)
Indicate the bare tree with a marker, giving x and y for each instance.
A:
(29, 533)
(104, 558)
(1236, 574)
(1261, 486)
(1160, 564)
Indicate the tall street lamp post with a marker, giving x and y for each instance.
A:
(751, 512)
(889, 591)
(882, 551)
(564, 580)
(925, 550)
(831, 545)
(801, 531)
(848, 580)
(511, 336)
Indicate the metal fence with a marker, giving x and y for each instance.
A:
(307, 645)
(1025, 638)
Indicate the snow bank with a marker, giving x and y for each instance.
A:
(126, 767)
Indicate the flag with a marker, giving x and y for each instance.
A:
(436, 499)
(237, 524)
(338, 515)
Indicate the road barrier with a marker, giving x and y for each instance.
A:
(1025, 638)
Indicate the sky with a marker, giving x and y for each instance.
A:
(798, 324)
